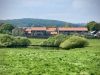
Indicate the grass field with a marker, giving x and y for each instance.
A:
(29, 61)
(36, 41)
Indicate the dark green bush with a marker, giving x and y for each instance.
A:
(74, 42)
(54, 40)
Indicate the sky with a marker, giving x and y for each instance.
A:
(74, 11)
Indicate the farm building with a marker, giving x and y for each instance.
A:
(46, 32)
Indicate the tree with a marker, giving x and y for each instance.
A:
(18, 32)
(97, 26)
(68, 25)
(22, 33)
(6, 28)
(92, 25)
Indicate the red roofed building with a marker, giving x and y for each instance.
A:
(38, 31)
(28, 31)
(46, 32)
(69, 31)
(51, 31)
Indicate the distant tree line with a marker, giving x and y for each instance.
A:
(29, 22)
(7, 28)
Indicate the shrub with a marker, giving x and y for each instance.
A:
(54, 40)
(10, 41)
(74, 42)
(25, 41)
(21, 41)
(7, 40)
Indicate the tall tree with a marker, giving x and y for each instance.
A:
(92, 25)
(6, 28)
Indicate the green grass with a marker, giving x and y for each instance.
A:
(36, 41)
(28, 61)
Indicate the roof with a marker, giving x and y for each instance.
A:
(53, 32)
(51, 29)
(29, 32)
(28, 29)
(39, 28)
(72, 29)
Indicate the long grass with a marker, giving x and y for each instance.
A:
(29, 61)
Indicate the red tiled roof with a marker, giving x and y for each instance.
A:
(27, 29)
(51, 29)
(53, 32)
(38, 28)
(72, 29)
(29, 32)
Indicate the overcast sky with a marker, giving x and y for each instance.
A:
(75, 11)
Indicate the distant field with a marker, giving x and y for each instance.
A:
(29, 61)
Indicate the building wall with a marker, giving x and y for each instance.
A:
(72, 32)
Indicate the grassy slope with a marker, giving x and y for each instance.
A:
(27, 61)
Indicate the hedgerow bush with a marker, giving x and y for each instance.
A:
(10, 41)
(6, 40)
(74, 42)
(54, 40)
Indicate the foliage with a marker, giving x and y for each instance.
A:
(68, 25)
(92, 25)
(54, 40)
(10, 41)
(29, 61)
(7, 40)
(74, 42)
(6, 28)
(22, 33)
(18, 32)
(24, 41)
(29, 22)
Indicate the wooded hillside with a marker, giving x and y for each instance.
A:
(28, 22)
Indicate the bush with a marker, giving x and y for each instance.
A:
(10, 41)
(24, 41)
(6, 40)
(74, 42)
(54, 40)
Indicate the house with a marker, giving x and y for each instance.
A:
(46, 32)
(27, 31)
(35, 32)
(71, 31)
(38, 31)
(51, 31)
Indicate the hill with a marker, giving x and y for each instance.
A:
(28, 22)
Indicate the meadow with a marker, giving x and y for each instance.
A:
(30, 61)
